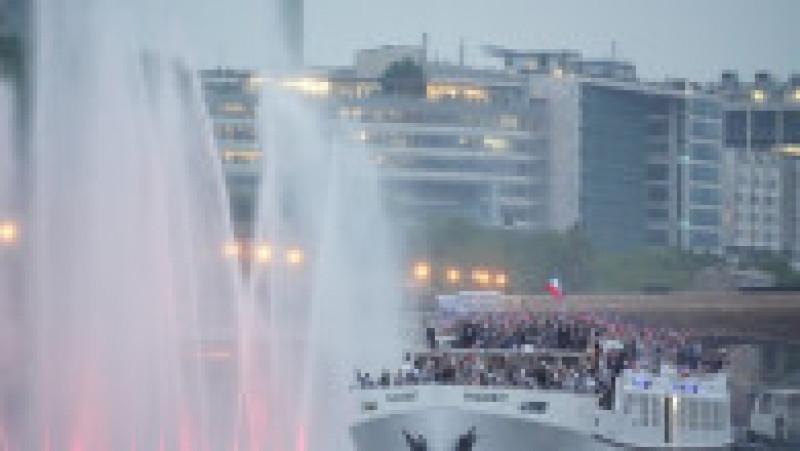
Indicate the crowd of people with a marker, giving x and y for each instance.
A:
(640, 346)
(520, 349)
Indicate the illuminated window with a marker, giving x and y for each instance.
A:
(240, 156)
(495, 143)
(365, 90)
(793, 150)
(363, 136)
(233, 107)
(509, 121)
(477, 94)
(558, 73)
(312, 87)
(353, 113)
(796, 95)
(437, 92)
(444, 91)
(255, 83)
(758, 95)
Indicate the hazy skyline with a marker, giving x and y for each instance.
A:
(689, 38)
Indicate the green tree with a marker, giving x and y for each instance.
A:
(404, 78)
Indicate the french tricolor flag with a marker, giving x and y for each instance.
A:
(553, 286)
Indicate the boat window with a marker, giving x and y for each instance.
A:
(794, 404)
(655, 411)
(719, 416)
(628, 404)
(765, 406)
(539, 407)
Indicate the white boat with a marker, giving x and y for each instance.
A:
(649, 411)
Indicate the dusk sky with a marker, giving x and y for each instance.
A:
(693, 38)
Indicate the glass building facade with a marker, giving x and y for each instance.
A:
(762, 151)
(470, 144)
(232, 98)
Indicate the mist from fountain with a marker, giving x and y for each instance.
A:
(125, 276)
(128, 290)
(339, 310)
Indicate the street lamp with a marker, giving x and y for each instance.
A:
(294, 257)
(453, 275)
(481, 277)
(263, 253)
(422, 271)
(9, 233)
(501, 280)
(231, 250)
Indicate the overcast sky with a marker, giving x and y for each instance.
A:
(693, 38)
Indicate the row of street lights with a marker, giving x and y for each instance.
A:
(422, 272)
(262, 253)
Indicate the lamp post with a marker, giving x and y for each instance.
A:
(232, 250)
(453, 276)
(295, 257)
(422, 272)
(263, 253)
(9, 233)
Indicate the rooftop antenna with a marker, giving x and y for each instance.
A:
(425, 45)
(461, 52)
(613, 50)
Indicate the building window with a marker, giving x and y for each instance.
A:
(447, 91)
(758, 95)
(658, 214)
(704, 217)
(705, 196)
(509, 122)
(703, 239)
(657, 237)
(658, 172)
(706, 152)
(495, 143)
(705, 174)
(658, 193)
(312, 87)
(240, 156)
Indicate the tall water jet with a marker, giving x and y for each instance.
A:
(142, 335)
(339, 311)
(124, 271)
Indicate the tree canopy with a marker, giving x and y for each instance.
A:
(530, 258)
(404, 78)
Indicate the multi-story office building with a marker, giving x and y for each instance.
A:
(553, 141)
(762, 162)
(14, 17)
(448, 140)
(232, 98)
(631, 163)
